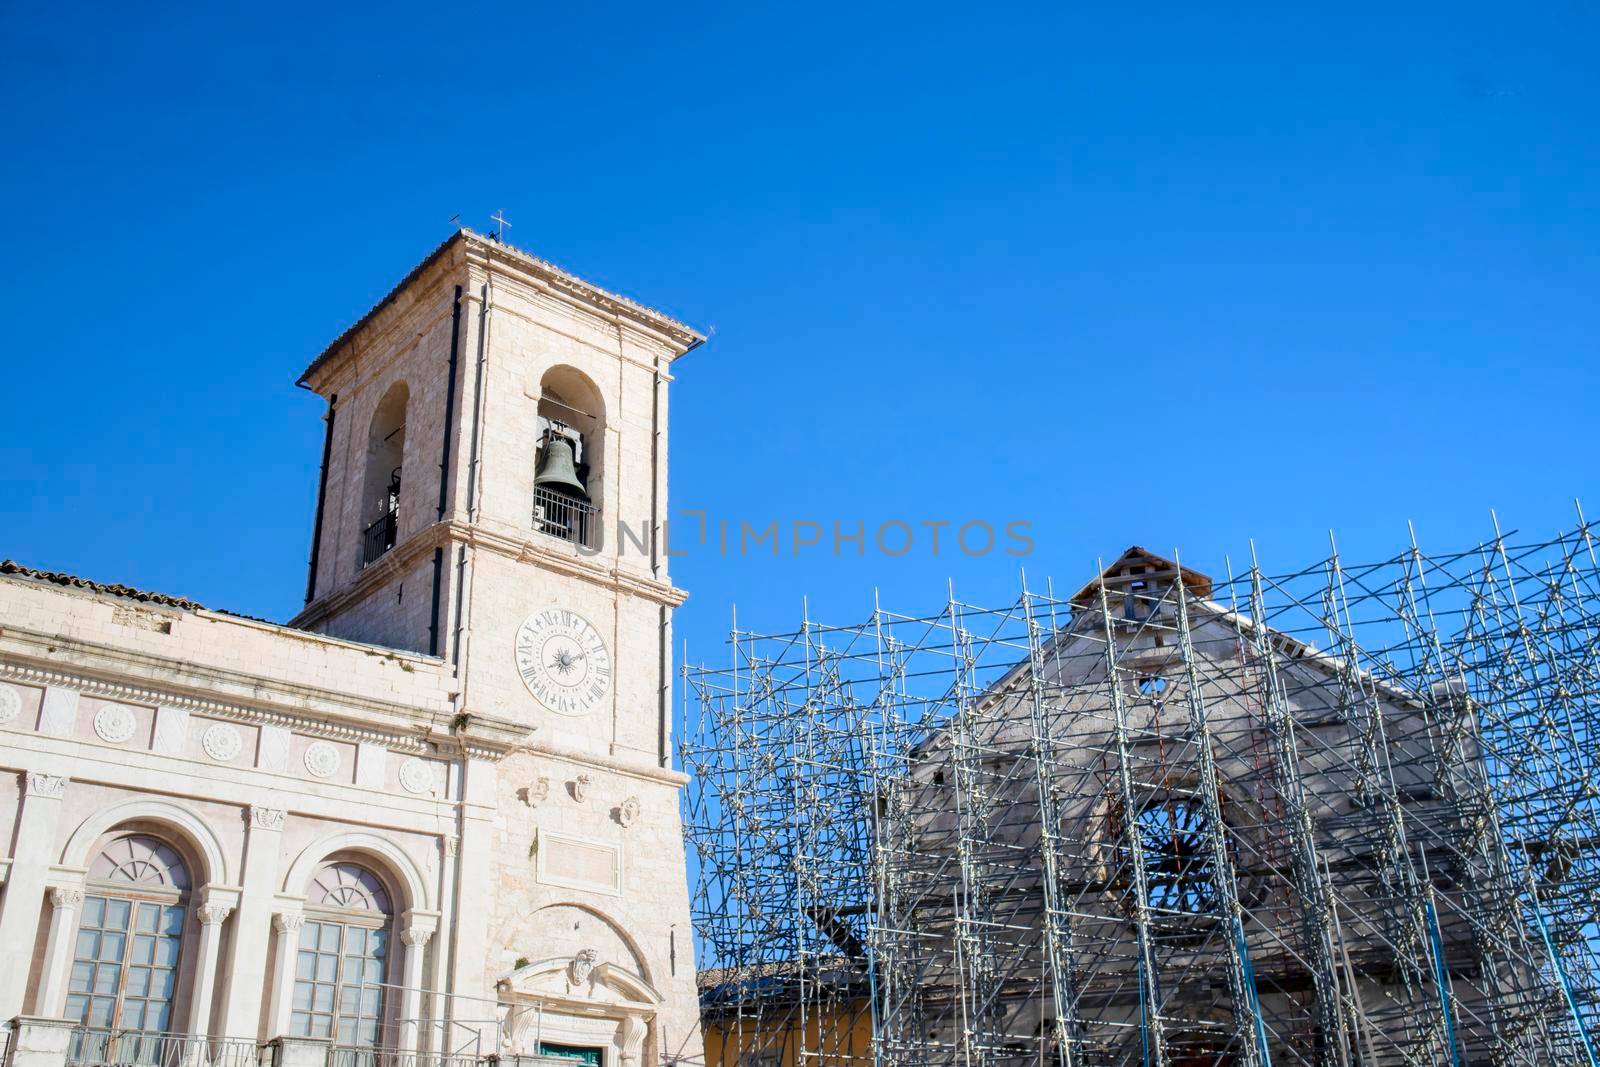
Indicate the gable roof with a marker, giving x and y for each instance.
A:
(562, 279)
(1138, 563)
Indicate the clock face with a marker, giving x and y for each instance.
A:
(563, 661)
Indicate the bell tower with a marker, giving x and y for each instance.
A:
(492, 493)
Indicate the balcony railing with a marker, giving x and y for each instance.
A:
(88, 1047)
(379, 538)
(566, 517)
(359, 1056)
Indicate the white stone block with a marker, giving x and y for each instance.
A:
(172, 731)
(372, 762)
(273, 752)
(59, 716)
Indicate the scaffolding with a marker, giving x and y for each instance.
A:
(1345, 816)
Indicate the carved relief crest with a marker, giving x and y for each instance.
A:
(582, 966)
(536, 792)
(580, 788)
(627, 813)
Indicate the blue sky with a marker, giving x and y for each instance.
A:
(1162, 275)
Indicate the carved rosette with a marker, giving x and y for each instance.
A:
(322, 759)
(416, 776)
(115, 723)
(222, 742)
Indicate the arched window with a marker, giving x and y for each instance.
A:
(1175, 833)
(569, 460)
(342, 964)
(130, 938)
(380, 492)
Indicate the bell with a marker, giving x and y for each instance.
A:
(556, 469)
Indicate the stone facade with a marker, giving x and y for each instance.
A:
(379, 764)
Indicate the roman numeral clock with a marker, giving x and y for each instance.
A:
(563, 661)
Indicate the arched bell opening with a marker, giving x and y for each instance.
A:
(380, 490)
(569, 462)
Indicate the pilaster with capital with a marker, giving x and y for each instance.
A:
(211, 914)
(66, 900)
(34, 837)
(286, 925)
(416, 933)
(252, 928)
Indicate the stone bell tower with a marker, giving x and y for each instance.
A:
(492, 493)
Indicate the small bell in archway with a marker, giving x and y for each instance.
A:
(557, 469)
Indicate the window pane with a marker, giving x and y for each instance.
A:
(330, 937)
(105, 981)
(145, 922)
(82, 975)
(326, 967)
(163, 983)
(172, 921)
(111, 946)
(138, 982)
(322, 998)
(94, 909)
(308, 935)
(100, 1011)
(167, 952)
(117, 914)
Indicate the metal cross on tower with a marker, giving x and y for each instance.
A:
(499, 219)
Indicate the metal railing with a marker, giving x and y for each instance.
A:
(379, 538)
(566, 517)
(90, 1047)
(368, 1056)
